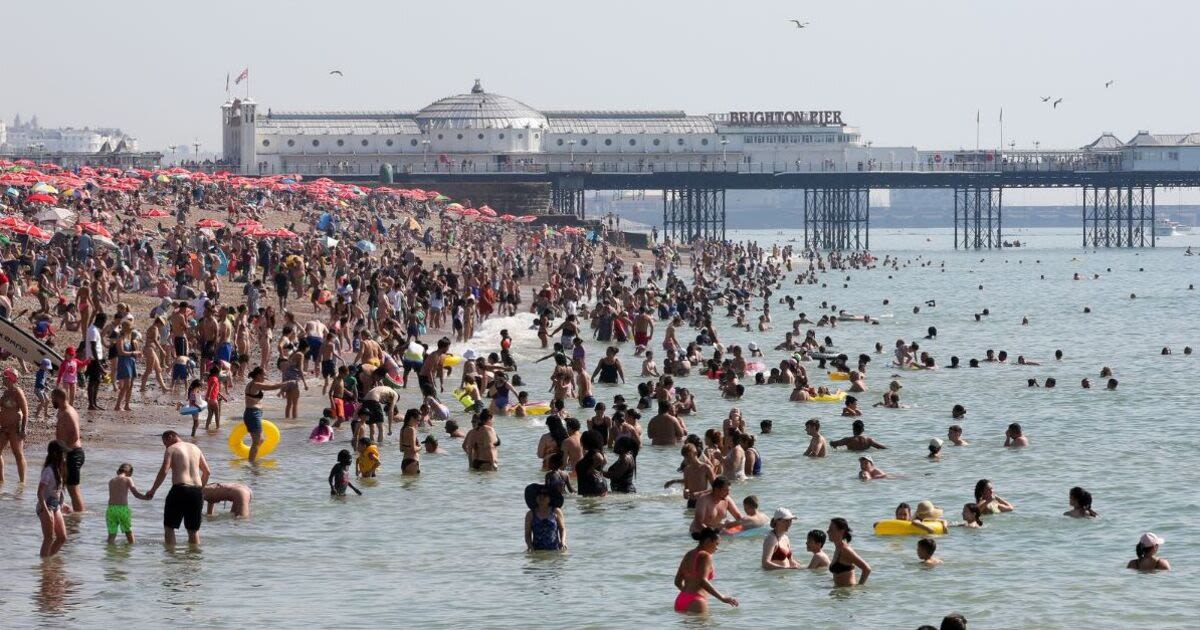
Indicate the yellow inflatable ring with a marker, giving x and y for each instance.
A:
(539, 409)
(839, 376)
(838, 397)
(464, 398)
(894, 527)
(240, 446)
(451, 360)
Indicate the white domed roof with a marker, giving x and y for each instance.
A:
(479, 110)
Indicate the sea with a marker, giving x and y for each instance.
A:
(445, 549)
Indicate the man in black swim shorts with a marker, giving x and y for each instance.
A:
(185, 501)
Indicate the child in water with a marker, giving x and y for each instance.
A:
(339, 475)
(117, 517)
(926, 547)
(368, 457)
(323, 432)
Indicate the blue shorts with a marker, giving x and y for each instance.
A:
(179, 373)
(252, 418)
(225, 352)
(314, 348)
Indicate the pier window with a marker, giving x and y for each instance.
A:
(632, 142)
(560, 142)
(704, 141)
(460, 136)
(679, 141)
(583, 142)
(481, 136)
(266, 143)
(291, 143)
(341, 143)
(364, 142)
(316, 143)
(501, 136)
(608, 142)
(412, 142)
(657, 142)
(390, 142)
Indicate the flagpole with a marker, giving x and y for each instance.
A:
(1001, 130)
(977, 131)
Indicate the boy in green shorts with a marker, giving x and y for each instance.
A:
(118, 517)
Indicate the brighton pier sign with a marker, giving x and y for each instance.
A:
(775, 119)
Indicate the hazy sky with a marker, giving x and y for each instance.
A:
(906, 72)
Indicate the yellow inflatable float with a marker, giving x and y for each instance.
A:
(838, 396)
(839, 376)
(451, 360)
(896, 527)
(239, 444)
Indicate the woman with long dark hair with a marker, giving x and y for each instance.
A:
(589, 471)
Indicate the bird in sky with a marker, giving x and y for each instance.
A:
(337, 72)
(1057, 102)
(1109, 84)
(799, 24)
(1046, 99)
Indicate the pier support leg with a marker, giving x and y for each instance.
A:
(694, 213)
(837, 218)
(1118, 216)
(566, 199)
(978, 217)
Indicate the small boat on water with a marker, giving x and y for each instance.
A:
(1167, 227)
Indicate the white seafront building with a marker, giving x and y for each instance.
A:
(30, 137)
(484, 132)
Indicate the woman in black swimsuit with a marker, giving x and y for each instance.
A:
(844, 557)
(609, 368)
(622, 471)
(589, 471)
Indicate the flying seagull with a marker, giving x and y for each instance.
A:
(1057, 102)
(798, 23)
(1109, 84)
(1046, 99)
(337, 72)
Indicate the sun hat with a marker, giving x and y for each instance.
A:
(866, 457)
(783, 514)
(470, 355)
(935, 443)
(534, 489)
(10, 375)
(927, 511)
(753, 347)
(46, 364)
(1150, 539)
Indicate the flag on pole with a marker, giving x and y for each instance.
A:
(243, 76)
(976, 111)
(226, 81)
(1001, 114)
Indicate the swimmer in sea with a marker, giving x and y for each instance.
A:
(817, 446)
(814, 543)
(845, 559)
(1147, 554)
(859, 441)
(971, 517)
(935, 450)
(1014, 437)
(926, 547)
(987, 501)
(777, 548)
(954, 434)
(867, 470)
(1081, 504)
(714, 507)
(695, 574)
(851, 409)
(753, 518)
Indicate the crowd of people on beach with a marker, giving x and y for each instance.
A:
(300, 285)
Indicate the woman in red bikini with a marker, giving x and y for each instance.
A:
(695, 574)
(777, 548)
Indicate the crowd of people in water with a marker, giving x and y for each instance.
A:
(367, 288)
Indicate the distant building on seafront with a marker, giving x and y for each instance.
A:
(70, 146)
(480, 131)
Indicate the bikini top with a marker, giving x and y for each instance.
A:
(836, 567)
(712, 572)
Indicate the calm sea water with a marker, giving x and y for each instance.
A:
(446, 550)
